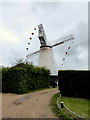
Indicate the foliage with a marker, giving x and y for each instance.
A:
(77, 105)
(81, 105)
(74, 83)
(24, 77)
(56, 110)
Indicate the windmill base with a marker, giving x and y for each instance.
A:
(53, 81)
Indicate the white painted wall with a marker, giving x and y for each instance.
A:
(46, 59)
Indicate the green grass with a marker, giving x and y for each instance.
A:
(77, 105)
(31, 91)
(56, 110)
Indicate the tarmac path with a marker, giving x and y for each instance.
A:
(31, 105)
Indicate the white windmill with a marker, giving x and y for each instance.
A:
(45, 52)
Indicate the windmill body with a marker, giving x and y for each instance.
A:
(46, 58)
(46, 53)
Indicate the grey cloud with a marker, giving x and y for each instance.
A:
(77, 57)
(57, 19)
(47, 7)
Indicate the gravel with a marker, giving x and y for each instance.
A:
(31, 105)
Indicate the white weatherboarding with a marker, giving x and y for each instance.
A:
(45, 52)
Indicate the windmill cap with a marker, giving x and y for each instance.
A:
(45, 46)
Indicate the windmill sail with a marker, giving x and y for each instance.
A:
(41, 35)
(29, 55)
(45, 52)
(63, 40)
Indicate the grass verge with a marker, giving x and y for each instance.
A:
(56, 110)
(80, 106)
(77, 105)
(31, 91)
(41, 89)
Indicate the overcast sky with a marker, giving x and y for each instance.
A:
(18, 20)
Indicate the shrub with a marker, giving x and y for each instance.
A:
(74, 83)
(24, 77)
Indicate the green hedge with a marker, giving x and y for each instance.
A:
(23, 78)
(74, 83)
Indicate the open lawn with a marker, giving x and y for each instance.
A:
(77, 105)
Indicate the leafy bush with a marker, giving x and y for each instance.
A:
(74, 83)
(24, 77)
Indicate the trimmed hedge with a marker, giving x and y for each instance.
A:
(74, 83)
(23, 78)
